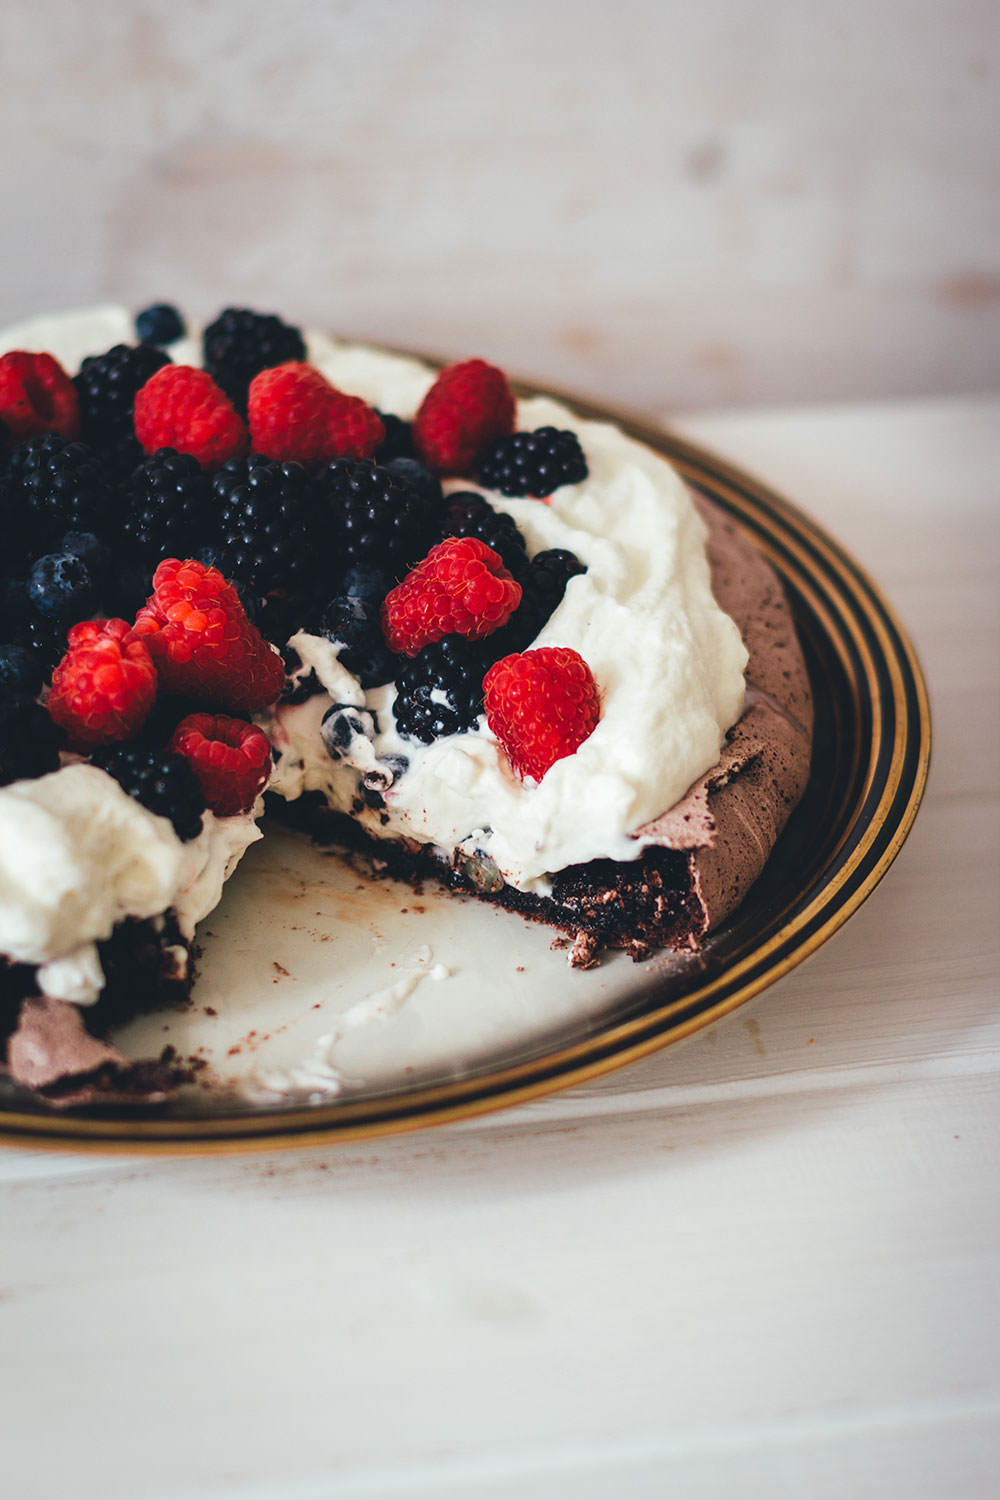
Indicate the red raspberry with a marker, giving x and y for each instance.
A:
(203, 643)
(460, 588)
(183, 408)
(36, 396)
(467, 407)
(103, 689)
(231, 759)
(541, 705)
(295, 413)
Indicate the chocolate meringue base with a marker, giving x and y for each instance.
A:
(61, 1052)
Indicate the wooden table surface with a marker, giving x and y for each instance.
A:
(762, 1262)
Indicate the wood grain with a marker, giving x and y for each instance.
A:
(763, 1261)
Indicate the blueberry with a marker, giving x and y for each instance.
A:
(159, 324)
(20, 672)
(398, 439)
(350, 618)
(342, 724)
(418, 478)
(371, 662)
(90, 550)
(60, 587)
(365, 582)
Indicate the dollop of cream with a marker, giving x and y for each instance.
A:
(78, 855)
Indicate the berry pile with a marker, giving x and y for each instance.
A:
(222, 509)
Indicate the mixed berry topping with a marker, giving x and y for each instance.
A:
(541, 705)
(161, 780)
(533, 463)
(128, 491)
(241, 343)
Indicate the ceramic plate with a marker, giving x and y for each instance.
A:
(332, 1005)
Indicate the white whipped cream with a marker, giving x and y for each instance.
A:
(78, 855)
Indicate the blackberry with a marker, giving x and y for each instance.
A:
(549, 574)
(264, 510)
(374, 518)
(163, 782)
(398, 440)
(167, 501)
(107, 386)
(159, 324)
(121, 458)
(91, 550)
(29, 742)
(533, 463)
(241, 343)
(54, 486)
(467, 513)
(543, 588)
(60, 587)
(441, 690)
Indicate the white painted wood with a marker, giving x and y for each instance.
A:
(665, 202)
(761, 1262)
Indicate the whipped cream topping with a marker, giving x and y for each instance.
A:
(78, 855)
